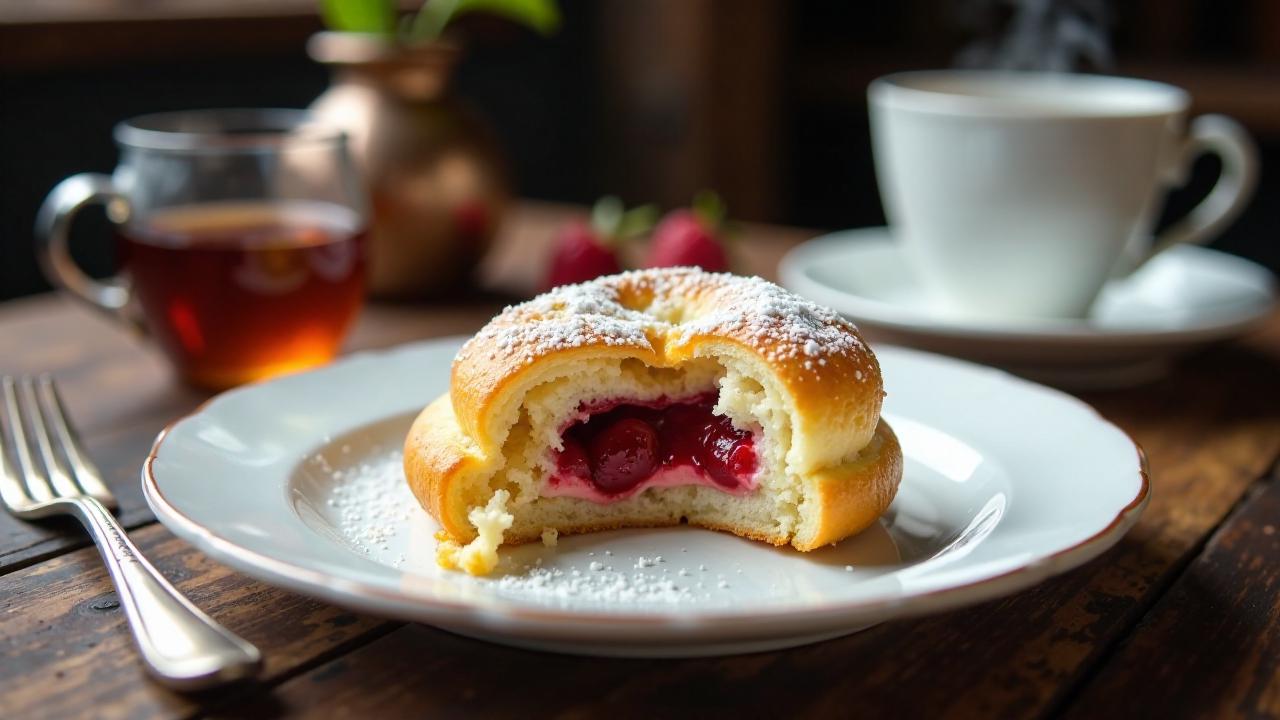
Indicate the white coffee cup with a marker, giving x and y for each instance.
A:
(1017, 195)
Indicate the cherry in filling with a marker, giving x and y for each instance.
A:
(620, 445)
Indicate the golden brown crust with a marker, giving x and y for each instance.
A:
(853, 495)
(665, 318)
(827, 375)
(435, 456)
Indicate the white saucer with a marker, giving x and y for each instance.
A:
(298, 482)
(1185, 298)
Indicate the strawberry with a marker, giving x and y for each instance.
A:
(691, 237)
(585, 251)
(579, 256)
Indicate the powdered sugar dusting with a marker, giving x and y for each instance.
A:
(597, 586)
(674, 305)
(375, 514)
(567, 317)
(351, 491)
(371, 501)
(777, 324)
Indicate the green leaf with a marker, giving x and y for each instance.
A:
(540, 15)
(362, 16)
(612, 222)
(709, 208)
(637, 221)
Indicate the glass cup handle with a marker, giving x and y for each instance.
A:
(53, 224)
(1225, 138)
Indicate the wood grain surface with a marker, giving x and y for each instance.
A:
(1186, 601)
(1213, 640)
(65, 647)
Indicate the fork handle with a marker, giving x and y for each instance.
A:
(182, 647)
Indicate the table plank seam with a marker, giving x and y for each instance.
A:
(64, 543)
(1234, 635)
(1071, 690)
(118, 452)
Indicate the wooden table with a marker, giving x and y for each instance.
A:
(1181, 619)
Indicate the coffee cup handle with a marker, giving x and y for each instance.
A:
(53, 225)
(1225, 138)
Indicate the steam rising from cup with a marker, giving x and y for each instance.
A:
(1045, 35)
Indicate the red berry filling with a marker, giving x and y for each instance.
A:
(618, 446)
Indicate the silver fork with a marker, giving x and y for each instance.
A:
(181, 646)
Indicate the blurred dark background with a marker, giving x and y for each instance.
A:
(763, 100)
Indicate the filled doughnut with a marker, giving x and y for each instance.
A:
(652, 398)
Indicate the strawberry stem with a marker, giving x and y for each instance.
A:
(611, 221)
(637, 221)
(709, 208)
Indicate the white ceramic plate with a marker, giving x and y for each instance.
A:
(1183, 299)
(296, 482)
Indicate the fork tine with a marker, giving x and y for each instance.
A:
(37, 482)
(55, 467)
(12, 491)
(82, 470)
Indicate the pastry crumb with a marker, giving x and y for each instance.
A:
(480, 556)
(550, 536)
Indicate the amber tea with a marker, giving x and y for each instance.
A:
(241, 238)
(240, 291)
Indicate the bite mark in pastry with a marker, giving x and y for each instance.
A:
(652, 398)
